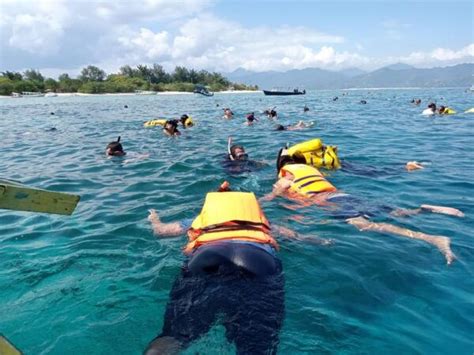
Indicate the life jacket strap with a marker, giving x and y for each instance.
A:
(306, 177)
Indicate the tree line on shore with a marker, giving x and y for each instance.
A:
(94, 80)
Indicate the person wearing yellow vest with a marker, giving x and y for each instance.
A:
(308, 185)
(232, 273)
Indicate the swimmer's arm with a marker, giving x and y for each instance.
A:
(279, 188)
(137, 158)
(291, 234)
(164, 230)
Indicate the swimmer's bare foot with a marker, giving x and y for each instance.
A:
(444, 246)
(163, 346)
(413, 165)
(443, 210)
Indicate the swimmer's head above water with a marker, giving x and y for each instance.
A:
(186, 121)
(284, 159)
(115, 148)
(171, 128)
(237, 152)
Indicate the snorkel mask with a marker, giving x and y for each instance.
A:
(241, 156)
(231, 151)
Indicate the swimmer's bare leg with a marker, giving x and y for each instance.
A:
(428, 208)
(441, 242)
(291, 234)
(443, 210)
(163, 346)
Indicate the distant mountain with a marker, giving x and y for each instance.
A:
(351, 72)
(458, 75)
(395, 75)
(399, 66)
(311, 78)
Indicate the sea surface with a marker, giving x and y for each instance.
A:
(97, 282)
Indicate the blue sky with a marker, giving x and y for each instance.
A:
(64, 35)
(420, 25)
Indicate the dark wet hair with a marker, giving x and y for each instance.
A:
(115, 146)
(285, 159)
(280, 128)
(173, 123)
(282, 160)
(234, 148)
(183, 120)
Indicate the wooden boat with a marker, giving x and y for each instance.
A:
(274, 92)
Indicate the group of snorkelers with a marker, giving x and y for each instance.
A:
(232, 272)
(232, 268)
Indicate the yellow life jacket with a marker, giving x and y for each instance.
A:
(316, 154)
(448, 111)
(188, 122)
(227, 216)
(307, 179)
(154, 123)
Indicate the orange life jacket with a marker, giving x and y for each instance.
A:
(230, 216)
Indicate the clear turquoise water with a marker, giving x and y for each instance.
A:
(97, 282)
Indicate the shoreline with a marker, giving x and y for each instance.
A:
(162, 93)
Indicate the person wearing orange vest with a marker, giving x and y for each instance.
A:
(232, 271)
(308, 185)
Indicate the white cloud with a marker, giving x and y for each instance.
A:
(152, 44)
(71, 34)
(209, 42)
(440, 55)
(43, 27)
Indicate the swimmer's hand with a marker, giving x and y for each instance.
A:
(413, 165)
(153, 216)
(164, 229)
(443, 210)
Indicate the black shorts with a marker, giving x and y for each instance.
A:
(239, 284)
(348, 206)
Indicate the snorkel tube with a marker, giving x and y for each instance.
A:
(229, 143)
